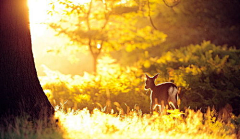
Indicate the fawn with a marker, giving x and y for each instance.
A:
(165, 94)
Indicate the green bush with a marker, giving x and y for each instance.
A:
(208, 74)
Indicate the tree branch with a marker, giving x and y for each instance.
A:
(149, 15)
(88, 14)
(175, 3)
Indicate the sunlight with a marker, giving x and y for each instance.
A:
(99, 46)
(37, 16)
(123, 2)
(38, 13)
(38, 10)
(107, 66)
(44, 38)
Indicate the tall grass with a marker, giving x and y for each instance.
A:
(23, 128)
(78, 124)
(83, 124)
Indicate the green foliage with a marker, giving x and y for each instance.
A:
(208, 74)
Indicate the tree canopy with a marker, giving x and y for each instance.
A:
(105, 26)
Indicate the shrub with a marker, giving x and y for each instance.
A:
(208, 74)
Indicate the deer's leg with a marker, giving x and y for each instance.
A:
(151, 105)
(157, 107)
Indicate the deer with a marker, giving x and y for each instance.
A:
(162, 95)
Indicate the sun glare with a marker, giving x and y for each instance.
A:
(38, 17)
(38, 10)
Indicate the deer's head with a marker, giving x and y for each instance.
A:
(150, 82)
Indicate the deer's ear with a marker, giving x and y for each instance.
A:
(146, 75)
(155, 76)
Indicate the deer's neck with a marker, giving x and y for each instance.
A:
(153, 87)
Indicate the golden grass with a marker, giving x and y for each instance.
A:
(23, 128)
(83, 124)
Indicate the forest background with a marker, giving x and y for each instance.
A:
(102, 49)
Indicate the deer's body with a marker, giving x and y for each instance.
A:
(164, 94)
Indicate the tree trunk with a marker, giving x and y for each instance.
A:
(95, 65)
(20, 90)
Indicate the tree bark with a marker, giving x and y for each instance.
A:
(20, 90)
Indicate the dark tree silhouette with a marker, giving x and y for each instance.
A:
(20, 90)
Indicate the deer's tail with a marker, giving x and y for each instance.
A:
(173, 92)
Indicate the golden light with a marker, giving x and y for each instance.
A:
(122, 2)
(44, 38)
(98, 46)
(38, 10)
(37, 15)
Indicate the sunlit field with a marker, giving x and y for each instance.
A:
(96, 124)
(112, 103)
(82, 124)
